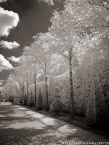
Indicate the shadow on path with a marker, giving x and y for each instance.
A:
(21, 126)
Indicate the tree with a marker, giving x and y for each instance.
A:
(29, 63)
(69, 28)
(0, 97)
(40, 101)
(101, 8)
(43, 55)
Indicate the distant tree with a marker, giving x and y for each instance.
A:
(43, 55)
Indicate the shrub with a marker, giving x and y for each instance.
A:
(21, 100)
(31, 100)
(11, 99)
(56, 106)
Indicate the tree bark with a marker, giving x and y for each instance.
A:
(23, 94)
(46, 90)
(35, 91)
(0, 97)
(27, 89)
(71, 84)
(91, 105)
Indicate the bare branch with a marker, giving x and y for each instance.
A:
(103, 25)
(101, 5)
(62, 54)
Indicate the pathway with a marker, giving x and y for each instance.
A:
(21, 126)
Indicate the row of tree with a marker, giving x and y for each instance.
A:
(73, 57)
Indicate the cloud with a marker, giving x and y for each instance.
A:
(14, 59)
(2, 1)
(1, 82)
(1, 88)
(8, 20)
(49, 2)
(4, 63)
(9, 45)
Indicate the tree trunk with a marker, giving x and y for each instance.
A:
(71, 84)
(25, 100)
(0, 97)
(27, 90)
(91, 105)
(23, 94)
(46, 90)
(35, 91)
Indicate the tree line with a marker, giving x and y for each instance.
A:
(69, 63)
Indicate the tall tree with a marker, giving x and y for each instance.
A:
(69, 27)
(41, 50)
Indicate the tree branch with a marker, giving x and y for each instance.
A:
(62, 54)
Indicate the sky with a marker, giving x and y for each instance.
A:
(20, 20)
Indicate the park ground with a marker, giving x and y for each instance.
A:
(22, 126)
